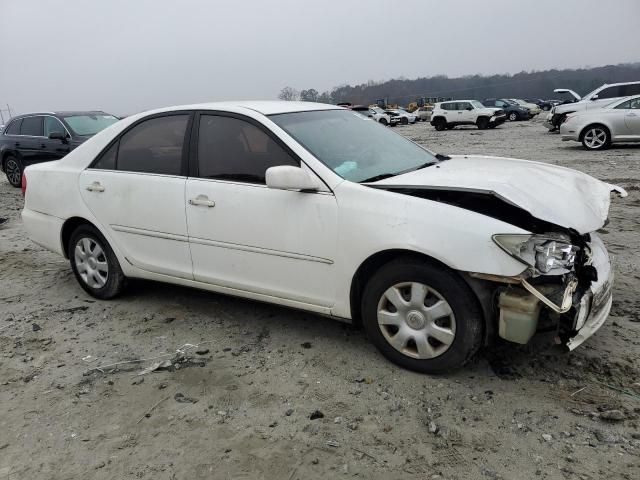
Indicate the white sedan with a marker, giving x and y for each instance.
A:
(319, 208)
(597, 129)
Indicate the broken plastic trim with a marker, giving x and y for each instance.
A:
(567, 297)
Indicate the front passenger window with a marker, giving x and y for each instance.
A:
(233, 149)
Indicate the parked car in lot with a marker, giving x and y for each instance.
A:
(42, 137)
(382, 118)
(405, 117)
(513, 111)
(597, 129)
(533, 108)
(308, 206)
(423, 114)
(544, 105)
(598, 98)
(448, 115)
(392, 119)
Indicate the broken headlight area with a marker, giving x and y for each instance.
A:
(555, 293)
(549, 254)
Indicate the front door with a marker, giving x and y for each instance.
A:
(249, 237)
(136, 189)
(53, 149)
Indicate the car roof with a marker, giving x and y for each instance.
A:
(61, 114)
(265, 107)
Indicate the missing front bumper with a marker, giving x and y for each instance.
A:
(519, 308)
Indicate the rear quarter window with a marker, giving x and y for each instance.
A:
(13, 128)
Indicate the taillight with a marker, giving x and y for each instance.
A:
(23, 184)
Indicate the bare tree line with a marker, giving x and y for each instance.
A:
(535, 84)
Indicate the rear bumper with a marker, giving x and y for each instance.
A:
(45, 230)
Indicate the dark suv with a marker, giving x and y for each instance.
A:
(512, 109)
(42, 137)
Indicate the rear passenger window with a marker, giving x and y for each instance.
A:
(628, 90)
(107, 160)
(233, 149)
(31, 126)
(153, 146)
(13, 128)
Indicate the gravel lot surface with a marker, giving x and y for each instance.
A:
(242, 382)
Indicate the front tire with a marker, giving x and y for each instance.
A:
(596, 137)
(483, 123)
(13, 170)
(404, 121)
(384, 122)
(421, 316)
(94, 264)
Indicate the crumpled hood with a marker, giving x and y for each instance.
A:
(558, 195)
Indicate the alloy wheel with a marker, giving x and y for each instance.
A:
(416, 320)
(91, 262)
(12, 169)
(595, 137)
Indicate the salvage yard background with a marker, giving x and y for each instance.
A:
(238, 398)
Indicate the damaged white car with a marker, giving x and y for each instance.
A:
(319, 208)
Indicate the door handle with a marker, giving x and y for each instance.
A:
(203, 201)
(17, 144)
(95, 187)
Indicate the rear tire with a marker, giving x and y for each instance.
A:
(513, 116)
(94, 264)
(595, 137)
(437, 325)
(13, 170)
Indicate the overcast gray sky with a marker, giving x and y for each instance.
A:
(124, 56)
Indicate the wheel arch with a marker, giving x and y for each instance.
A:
(68, 228)
(375, 261)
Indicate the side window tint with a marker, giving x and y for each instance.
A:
(51, 125)
(232, 149)
(14, 128)
(611, 92)
(628, 90)
(31, 126)
(107, 160)
(154, 146)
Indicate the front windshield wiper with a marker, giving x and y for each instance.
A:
(382, 176)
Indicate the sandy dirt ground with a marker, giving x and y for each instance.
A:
(243, 382)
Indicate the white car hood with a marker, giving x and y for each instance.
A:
(558, 195)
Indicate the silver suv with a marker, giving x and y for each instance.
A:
(600, 97)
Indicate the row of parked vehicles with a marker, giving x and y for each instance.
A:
(609, 114)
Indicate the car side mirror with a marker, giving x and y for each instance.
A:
(469, 108)
(58, 136)
(286, 177)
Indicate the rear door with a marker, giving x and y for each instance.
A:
(29, 142)
(136, 190)
(632, 116)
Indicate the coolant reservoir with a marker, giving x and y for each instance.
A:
(519, 312)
